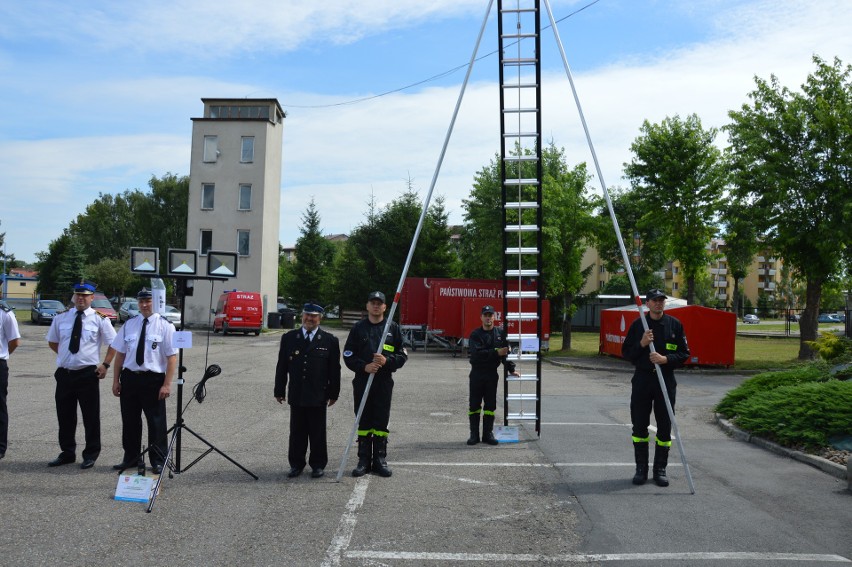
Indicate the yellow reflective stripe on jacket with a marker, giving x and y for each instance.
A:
(671, 346)
(388, 348)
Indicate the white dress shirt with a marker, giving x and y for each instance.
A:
(158, 343)
(97, 331)
(8, 332)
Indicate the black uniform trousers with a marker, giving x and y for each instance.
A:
(307, 425)
(377, 409)
(139, 394)
(647, 395)
(78, 387)
(4, 412)
(483, 387)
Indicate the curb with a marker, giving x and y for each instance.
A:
(834, 469)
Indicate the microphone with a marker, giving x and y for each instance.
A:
(199, 392)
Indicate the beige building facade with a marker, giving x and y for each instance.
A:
(764, 276)
(235, 198)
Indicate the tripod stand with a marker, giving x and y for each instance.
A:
(171, 460)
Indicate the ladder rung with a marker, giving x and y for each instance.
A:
(522, 228)
(523, 378)
(521, 205)
(521, 135)
(518, 159)
(529, 356)
(522, 316)
(521, 295)
(517, 10)
(530, 181)
(522, 416)
(520, 273)
(519, 110)
(518, 337)
(523, 250)
(519, 61)
(518, 35)
(521, 86)
(521, 397)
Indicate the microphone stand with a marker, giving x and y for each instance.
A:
(173, 465)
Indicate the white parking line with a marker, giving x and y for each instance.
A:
(346, 527)
(595, 557)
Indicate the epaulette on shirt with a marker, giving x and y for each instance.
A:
(4, 307)
(103, 315)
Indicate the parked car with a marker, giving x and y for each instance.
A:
(128, 310)
(751, 319)
(45, 310)
(841, 317)
(172, 315)
(794, 317)
(102, 305)
(828, 318)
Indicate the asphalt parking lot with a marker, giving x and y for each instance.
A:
(562, 499)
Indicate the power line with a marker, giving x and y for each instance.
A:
(430, 79)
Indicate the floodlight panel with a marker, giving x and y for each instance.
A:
(222, 264)
(183, 262)
(144, 260)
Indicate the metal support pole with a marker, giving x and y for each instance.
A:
(624, 255)
(413, 246)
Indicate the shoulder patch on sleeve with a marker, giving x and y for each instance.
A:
(347, 353)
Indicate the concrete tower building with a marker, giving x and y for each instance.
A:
(235, 197)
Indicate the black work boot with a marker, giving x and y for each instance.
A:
(380, 452)
(488, 430)
(474, 429)
(365, 452)
(661, 459)
(640, 451)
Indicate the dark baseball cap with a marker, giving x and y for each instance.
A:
(376, 295)
(655, 294)
(144, 293)
(487, 309)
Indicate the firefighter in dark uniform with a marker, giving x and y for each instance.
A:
(672, 351)
(488, 347)
(310, 358)
(359, 354)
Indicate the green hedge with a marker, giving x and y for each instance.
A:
(804, 414)
(813, 372)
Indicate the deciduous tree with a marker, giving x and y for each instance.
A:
(681, 176)
(792, 164)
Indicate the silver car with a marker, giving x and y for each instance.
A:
(172, 315)
(128, 310)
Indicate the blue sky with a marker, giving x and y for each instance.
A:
(98, 95)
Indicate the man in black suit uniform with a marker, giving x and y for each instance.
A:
(310, 358)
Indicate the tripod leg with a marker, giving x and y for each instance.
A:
(165, 468)
(213, 448)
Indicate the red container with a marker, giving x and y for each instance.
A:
(711, 333)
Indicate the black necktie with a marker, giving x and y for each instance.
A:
(140, 347)
(74, 345)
